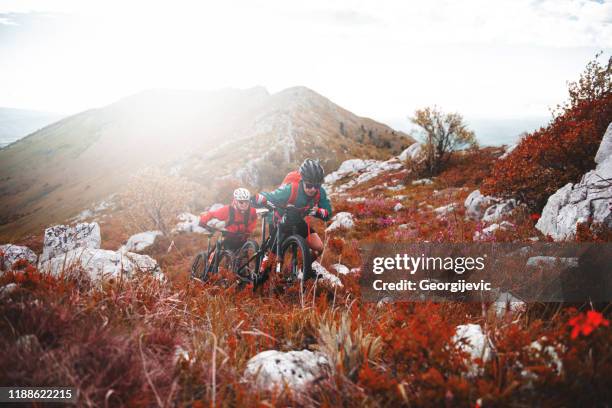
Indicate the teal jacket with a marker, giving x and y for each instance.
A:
(280, 196)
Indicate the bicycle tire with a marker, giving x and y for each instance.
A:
(199, 266)
(297, 244)
(225, 259)
(248, 272)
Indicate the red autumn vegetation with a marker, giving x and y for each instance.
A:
(563, 151)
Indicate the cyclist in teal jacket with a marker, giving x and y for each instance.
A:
(303, 190)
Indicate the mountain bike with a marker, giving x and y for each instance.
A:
(288, 250)
(217, 256)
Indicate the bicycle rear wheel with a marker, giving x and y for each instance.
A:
(295, 259)
(246, 265)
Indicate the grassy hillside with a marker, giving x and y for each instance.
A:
(58, 171)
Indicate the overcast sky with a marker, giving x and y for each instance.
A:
(382, 59)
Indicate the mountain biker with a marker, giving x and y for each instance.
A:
(240, 219)
(307, 195)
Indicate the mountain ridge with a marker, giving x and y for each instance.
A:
(250, 135)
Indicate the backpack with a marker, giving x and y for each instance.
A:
(294, 179)
(232, 217)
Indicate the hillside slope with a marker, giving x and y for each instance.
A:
(52, 174)
(17, 123)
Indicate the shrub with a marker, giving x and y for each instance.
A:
(153, 199)
(563, 151)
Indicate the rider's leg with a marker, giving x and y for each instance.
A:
(316, 245)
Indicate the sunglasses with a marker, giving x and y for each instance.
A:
(242, 202)
(310, 186)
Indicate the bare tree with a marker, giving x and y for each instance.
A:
(444, 133)
(153, 199)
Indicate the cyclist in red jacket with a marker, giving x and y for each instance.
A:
(239, 217)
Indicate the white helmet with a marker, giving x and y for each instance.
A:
(241, 194)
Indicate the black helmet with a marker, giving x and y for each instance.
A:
(312, 171)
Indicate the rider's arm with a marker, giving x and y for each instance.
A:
(222, 214)
(252, 221)
(325, 205)
(258, 200)
(280, 196)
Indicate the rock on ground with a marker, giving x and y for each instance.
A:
(588, 200)
(274, 369)
(476, 204)
(63, 238)
(189, 223)
(141, 241)
(470, 339)
(499, 210)
(506, 303)
(342, 220)
(489, 232)
(341, 269)
(422, 182)
(323, 274)
(10, 253)
(100, 264)
(411, 153)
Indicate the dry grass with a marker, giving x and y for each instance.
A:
(184, 343)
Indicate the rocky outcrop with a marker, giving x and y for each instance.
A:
(100, 264)
(413, 152)
(324, 275)
(274, 369)
(342, 220)
(10, 253)
(67, 249)
(139, 242)
(61, 239)
(487, 208)
(588, 201)
(359, 171)
(470, 339)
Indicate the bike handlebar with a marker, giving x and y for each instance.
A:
(213, 230)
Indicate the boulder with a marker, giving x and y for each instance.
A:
(499, 210)
(589, 200)
(324, 275)
(10, 253)
(476, 204)
(469, 338)
(445, 210)
(341, 269)
(413, 152)
(342, 220)
(189, 223)
(139, 242)
(360, 171)
(489, 232)
(274, 369)
(61, 239)
(507, 303)
(100, 264)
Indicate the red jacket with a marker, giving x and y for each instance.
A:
(223, 214)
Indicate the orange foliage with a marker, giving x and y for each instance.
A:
(562, 152)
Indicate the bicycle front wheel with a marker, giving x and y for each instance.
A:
(247, 262)
(225, 260)
(199, 266)
(296, 264)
